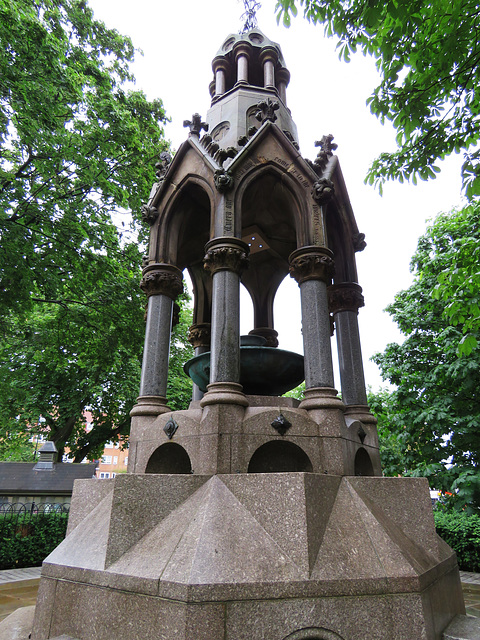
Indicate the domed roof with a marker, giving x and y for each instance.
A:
(255, 38)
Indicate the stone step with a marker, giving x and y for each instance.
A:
(463, 628)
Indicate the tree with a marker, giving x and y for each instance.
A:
(428, 54)
(392, 434)
(78, 149)
(437, 397)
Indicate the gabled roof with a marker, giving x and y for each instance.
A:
(20, 478)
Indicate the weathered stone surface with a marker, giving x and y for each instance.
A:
(462, 628)
(18, 624)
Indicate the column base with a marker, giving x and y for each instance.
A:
(224, 393)
(360, 412)
(321, 398)
(150, 406)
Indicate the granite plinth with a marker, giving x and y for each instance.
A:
(231, 557)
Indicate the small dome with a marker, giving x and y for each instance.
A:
(255, 38)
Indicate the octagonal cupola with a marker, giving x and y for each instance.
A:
(249, 75)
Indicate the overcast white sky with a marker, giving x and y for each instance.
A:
(179, 41)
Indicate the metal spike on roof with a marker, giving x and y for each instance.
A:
(250, 15)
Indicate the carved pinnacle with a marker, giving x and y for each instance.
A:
(195, 125)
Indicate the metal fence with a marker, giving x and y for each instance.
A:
(23, 514)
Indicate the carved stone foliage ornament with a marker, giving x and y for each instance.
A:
(281, 424)
(170, 428)
(162, 165)
(226, 254)
(199, 335)
(195, 125)
(266, 110)
(359, 243)
(312, 263)
(149, 214)
(223, 180)
(162, 279)
(327, 147)
(323, 190)
(346, 296)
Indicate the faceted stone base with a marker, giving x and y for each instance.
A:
(278, 556)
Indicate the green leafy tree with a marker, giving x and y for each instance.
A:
(436, 402)
(428, 56)
(78, 150)
(392, 434)
(459, 288)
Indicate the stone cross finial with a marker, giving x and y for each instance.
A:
(327, 147)
(195, 125)
(250, 15)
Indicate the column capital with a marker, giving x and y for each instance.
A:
(226, 254)
(283, 75)
(199, 335)
(312, 263)
(242, 48)
(162, 279)
(345, 296)
(268, 53)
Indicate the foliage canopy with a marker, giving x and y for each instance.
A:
(78, 150)
(434, 411)
(427, 53)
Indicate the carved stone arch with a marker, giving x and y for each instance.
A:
(169, 458)
(363, 465)
(273, 218)
(278, 185)
(314, 633)
(279, 456)
(185, 225)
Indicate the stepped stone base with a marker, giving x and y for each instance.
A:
(279, 556)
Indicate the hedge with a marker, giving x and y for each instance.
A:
(462, 533)
(27, 542)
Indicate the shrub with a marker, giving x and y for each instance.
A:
(27, 542)
(462, 533)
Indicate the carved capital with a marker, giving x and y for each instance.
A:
(223, 180)
(312, 263)
(199, 335)
(346, 296)
(226, 254)
(162, 279)
(323, 190)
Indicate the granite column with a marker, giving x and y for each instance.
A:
(225, 259)
(162, 283)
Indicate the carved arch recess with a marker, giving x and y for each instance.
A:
(273, 218)
(363, 463)
(169, 458)
(185, 225)
(247, 177)
(314, 633)
(279, 456)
